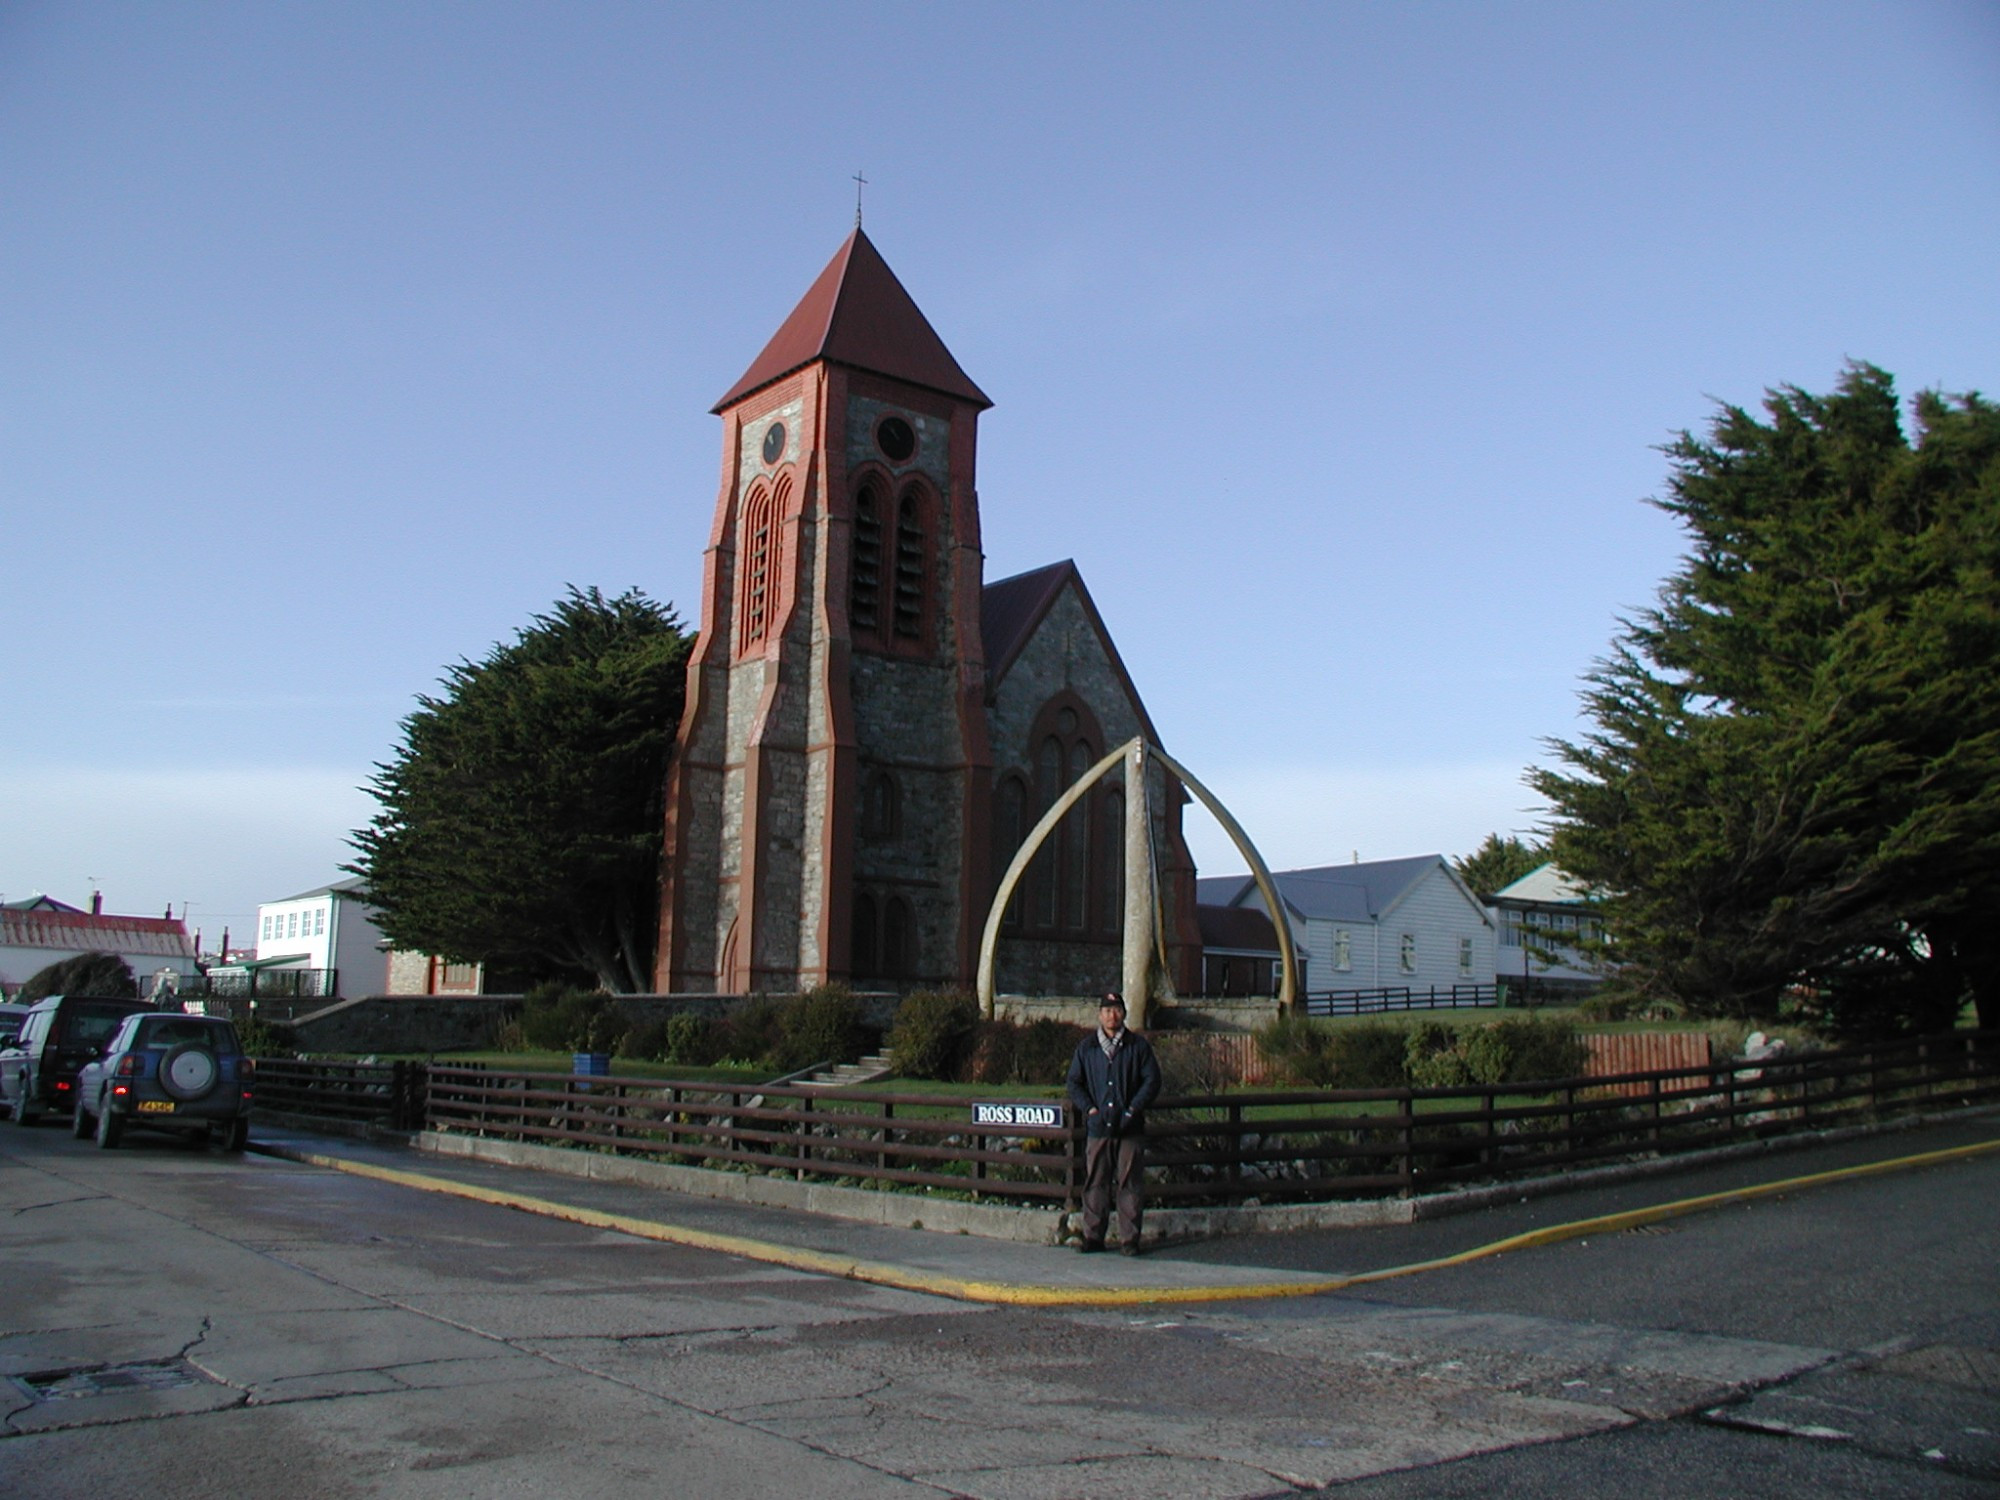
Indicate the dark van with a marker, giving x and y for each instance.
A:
(61, 1034)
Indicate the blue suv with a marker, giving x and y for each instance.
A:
(185, 1074)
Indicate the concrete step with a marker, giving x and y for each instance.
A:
(850, 1075)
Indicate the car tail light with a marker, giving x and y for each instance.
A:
(61, 1084)
(128, 1065)
(121, 1089)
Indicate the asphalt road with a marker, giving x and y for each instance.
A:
(182, 1324)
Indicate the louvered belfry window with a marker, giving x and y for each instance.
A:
(759, 567)
(864, 596)
(909, 567)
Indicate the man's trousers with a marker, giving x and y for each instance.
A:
(1114, 1162)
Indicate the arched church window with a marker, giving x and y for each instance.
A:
(896, 938)
(1044, 874)
(864, 595)
(863, 959)
(1111, 862)
(909, 566)
(1075, 839)
(759, 565)
(881, 808)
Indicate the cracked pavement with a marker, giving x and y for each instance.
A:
(335, 1336)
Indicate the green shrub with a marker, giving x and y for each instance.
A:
(1488, 1054)
(1537, 1047)
(692, 1040)
(933, 1034)
(1367, 1055)
(1297, 1050)
(646, 1041)
(562, 1018)
(1432, 1058)
(755, 1030)
(262, 1039)
(1046, 1047)
(1036, 1054)
(822, 1025)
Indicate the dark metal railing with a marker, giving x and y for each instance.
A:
(1401, 997)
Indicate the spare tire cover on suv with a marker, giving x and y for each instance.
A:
(189, 1072)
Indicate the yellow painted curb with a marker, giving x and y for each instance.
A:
(1020, 1294)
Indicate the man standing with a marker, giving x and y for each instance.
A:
(1112, 1079)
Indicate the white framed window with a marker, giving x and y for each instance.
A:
(1409, 953)
(1465, 956)
(267, 930)
(291, 924)
(319, 922)
(1343, 950)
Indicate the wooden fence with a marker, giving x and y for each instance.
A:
(1399, 997)
(386, 1094)
(1270, 1146)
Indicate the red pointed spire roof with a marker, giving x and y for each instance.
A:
(858, 314)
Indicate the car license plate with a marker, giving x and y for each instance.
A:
(156, 1106)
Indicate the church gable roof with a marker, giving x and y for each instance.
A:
(1011, 610)
(858, 314)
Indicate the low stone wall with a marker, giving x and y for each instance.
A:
(456, 1023)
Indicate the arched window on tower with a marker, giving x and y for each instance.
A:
(881, 808)
(864, 959)
(864, 594)
(759, 564)
(896, 938)
(910, 566)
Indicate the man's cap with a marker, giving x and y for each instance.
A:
(1111, 997)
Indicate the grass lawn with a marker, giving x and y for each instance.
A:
(621, 1067)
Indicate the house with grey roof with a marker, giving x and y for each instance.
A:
(1382, 924)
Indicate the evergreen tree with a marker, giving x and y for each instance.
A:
(1791, 796)
(521, 818)
(102, 974)
(1499, 862)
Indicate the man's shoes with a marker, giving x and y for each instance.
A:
(1090, 1247)
(1131, 1248)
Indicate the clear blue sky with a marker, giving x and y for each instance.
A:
(1334, 342)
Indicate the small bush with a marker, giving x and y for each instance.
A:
(933, 1034)
(1297, 1050)
(1046, 1047)
(562, 1018)
(755, 1030)
(262, 1039)
(1537, 1047)
(1036, 1054)
(1432, 1058)
(822, 1025)
(1367, 1055)
(646, 1041)
(694, 1041)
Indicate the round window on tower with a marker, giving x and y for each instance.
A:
(894, 437)
(774, 442)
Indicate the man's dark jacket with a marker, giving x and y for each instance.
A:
(1118, 1087)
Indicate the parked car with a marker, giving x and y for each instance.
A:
(179, 1073)
(59, 1036)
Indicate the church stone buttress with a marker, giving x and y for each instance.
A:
(828, 803)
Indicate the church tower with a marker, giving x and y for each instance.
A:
(829, 802)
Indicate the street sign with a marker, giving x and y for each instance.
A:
(1014, 1112)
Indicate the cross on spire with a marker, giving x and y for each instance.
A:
(860, 182)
